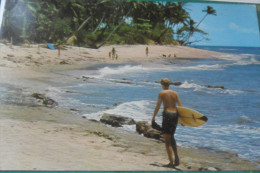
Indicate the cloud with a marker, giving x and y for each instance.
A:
(238, 28)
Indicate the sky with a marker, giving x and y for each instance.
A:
(234, 25)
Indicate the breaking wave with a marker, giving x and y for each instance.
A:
(138, 110)
(197, 87)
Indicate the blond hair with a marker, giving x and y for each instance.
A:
(165, 82)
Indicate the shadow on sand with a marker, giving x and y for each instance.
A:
(164, 166)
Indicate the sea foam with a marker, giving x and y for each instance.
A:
(138, 110)
(197, 87)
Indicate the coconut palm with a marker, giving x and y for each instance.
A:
(189, 28)
(209, 11)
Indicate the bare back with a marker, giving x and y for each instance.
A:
(169, 99)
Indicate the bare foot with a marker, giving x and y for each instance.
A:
(177, 162)
(169, 165)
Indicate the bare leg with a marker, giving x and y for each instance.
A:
(174, 147)
(168, 147)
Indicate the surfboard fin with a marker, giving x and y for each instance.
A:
(204, 118)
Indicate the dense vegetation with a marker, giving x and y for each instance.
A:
(94, 23)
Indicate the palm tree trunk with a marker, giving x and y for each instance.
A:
(108, 37)
(99, 24)
(201, 20)
(190, 33)
(79, 28)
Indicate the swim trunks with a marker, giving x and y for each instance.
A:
(169, 123)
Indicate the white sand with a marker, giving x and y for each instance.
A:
(50, 146)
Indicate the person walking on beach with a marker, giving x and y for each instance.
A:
(113, 51)
(146, 51)
(169, 98)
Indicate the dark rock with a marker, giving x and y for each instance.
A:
(116, 120)
(176, 83)
(64, 62)
(203, 169)
(71, 91)
(115, 104)
(146, 129)
(86, 77)
(126, 79)
(124, 82)
(49, 102)
(75, 110)
(45, 100)
(93, 120)
(29, 57)
(218, 86)
(38, 96)
(172, 83)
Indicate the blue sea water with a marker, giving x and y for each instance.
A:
(130, 90)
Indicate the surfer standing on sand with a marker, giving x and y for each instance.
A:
(169, 98)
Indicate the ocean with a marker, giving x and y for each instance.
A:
(131, 90)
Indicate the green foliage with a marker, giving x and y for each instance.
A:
(93, 23)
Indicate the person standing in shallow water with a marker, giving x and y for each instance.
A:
(169, 98)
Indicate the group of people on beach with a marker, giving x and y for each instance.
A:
(112, 54)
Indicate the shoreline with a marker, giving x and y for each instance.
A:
(60, 140)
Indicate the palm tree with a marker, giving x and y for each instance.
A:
(174, 14)
(191, 29)
(209, 11)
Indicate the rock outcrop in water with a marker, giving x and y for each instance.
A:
(48, 102)
(172, 83)
(116, 120)
(219, 86)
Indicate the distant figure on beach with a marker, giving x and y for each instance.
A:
(169, 98)
(113, 53)
(146, 51)
(109, 54)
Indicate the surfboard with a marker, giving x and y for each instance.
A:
(190, 117)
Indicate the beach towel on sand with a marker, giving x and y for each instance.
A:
(50, 46)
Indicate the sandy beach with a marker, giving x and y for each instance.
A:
(34, 137)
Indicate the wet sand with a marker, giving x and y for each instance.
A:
(34, 137)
